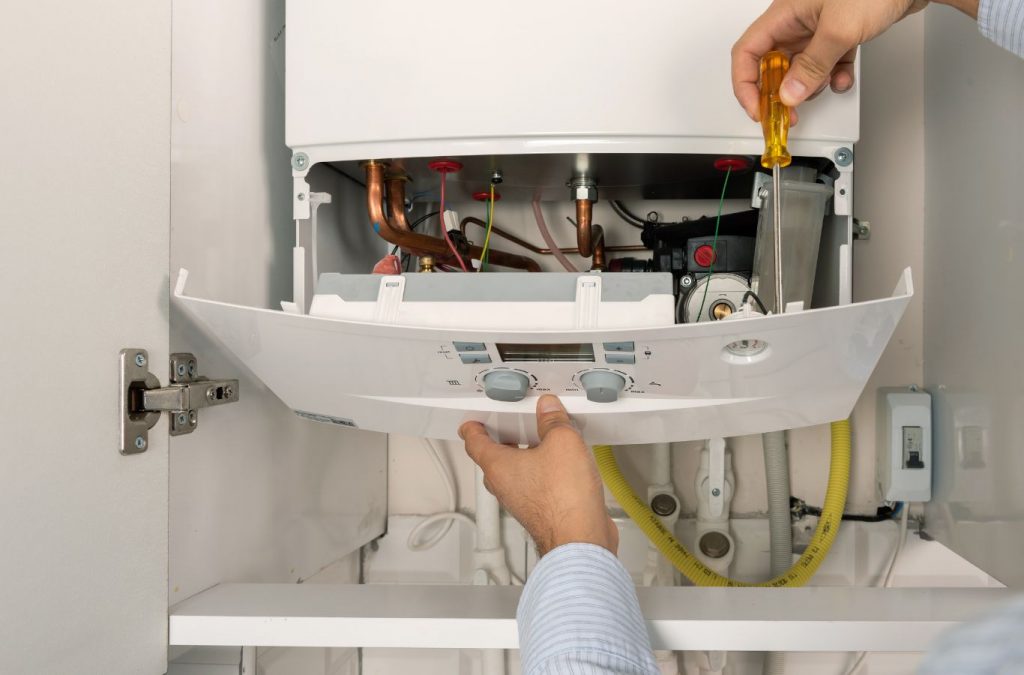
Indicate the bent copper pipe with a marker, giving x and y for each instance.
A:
(584, 235)
(417, 242)
(537, 249)
(597, 261)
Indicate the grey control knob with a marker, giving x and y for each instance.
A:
(602, 386)
(506, 385)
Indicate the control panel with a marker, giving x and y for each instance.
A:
(508, 371)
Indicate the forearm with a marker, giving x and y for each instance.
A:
(579, 613)
(968, 7)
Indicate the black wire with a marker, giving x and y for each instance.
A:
(799, 508)
(622, 212)
(342, 173)
(752, 294)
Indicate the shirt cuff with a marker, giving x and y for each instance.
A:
(581, 601)
(1002, 22)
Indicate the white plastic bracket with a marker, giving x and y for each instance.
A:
(389, 298)
(304, 258)
(716, 477)
(842, 197)
(300, 197)
(588, 300)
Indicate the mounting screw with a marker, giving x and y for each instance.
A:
(300, 161)
(192, 368)
(182, 418)
(140, 442)
(182, 369)
(301, 196)
(497, 176)
(686, 281)
(663, 504)
(229, 391)
(192, 418)
(843, 156)
(211, 394)
(140, 359)
(715, 492)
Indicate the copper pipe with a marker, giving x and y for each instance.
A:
(537, 249)
(396, 188)
(597, 261)
(415, 241)
(584, 236)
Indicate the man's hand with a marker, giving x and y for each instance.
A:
(821, 35)
(552, 489)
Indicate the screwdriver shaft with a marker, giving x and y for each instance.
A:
(777, 232)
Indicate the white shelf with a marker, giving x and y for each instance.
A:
(470, 617)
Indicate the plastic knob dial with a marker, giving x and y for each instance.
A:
(602, 386)
(506, 385)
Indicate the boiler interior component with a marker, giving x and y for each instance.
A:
(721, 295)
(804, 203)
(540, 301)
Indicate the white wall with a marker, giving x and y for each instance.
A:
(973, 315)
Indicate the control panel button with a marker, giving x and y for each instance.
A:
(619, 358)
(506, 385)
(470, 346)
(618, 346)
(474, 357)
(602, 386)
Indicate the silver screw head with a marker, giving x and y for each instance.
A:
(229, 392)
(843, 156)
(140, 359)
(686, 281)
(181, 369)
(301, 196)
(211, 394)
(715, 492)
(192, 368)
(140, 442)
(182, 418)
(300, 161)
(192, 418)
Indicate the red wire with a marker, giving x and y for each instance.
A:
(444, 226)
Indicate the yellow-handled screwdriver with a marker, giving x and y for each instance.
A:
(775, 124)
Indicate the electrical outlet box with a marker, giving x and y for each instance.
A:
(904, 465)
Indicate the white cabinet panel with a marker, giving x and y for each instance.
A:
(83, 265)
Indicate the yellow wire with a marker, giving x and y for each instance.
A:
(702, 575)
(487, 238)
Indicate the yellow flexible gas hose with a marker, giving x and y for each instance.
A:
(702, 575)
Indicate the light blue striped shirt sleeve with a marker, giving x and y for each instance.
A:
(579, 614)
(1002, 21)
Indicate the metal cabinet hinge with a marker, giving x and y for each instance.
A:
(142, 399)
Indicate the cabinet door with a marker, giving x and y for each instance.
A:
(84, 222)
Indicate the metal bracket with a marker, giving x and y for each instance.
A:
(861, 230)
(762, 188)
(142, 399)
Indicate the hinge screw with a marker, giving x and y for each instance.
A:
(211, 394)
(715, 492)
(140, 442)
(229, 392)
(182, 418)
(192, 368)
(843, 156)
(182, 369)
(140, 359)
(300, 161)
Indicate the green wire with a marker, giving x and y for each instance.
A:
(714, 245)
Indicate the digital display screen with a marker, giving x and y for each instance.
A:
(583, 352)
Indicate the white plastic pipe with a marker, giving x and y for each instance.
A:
(488, 516)
(661, 463)
(780, 530)
(489, 560)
